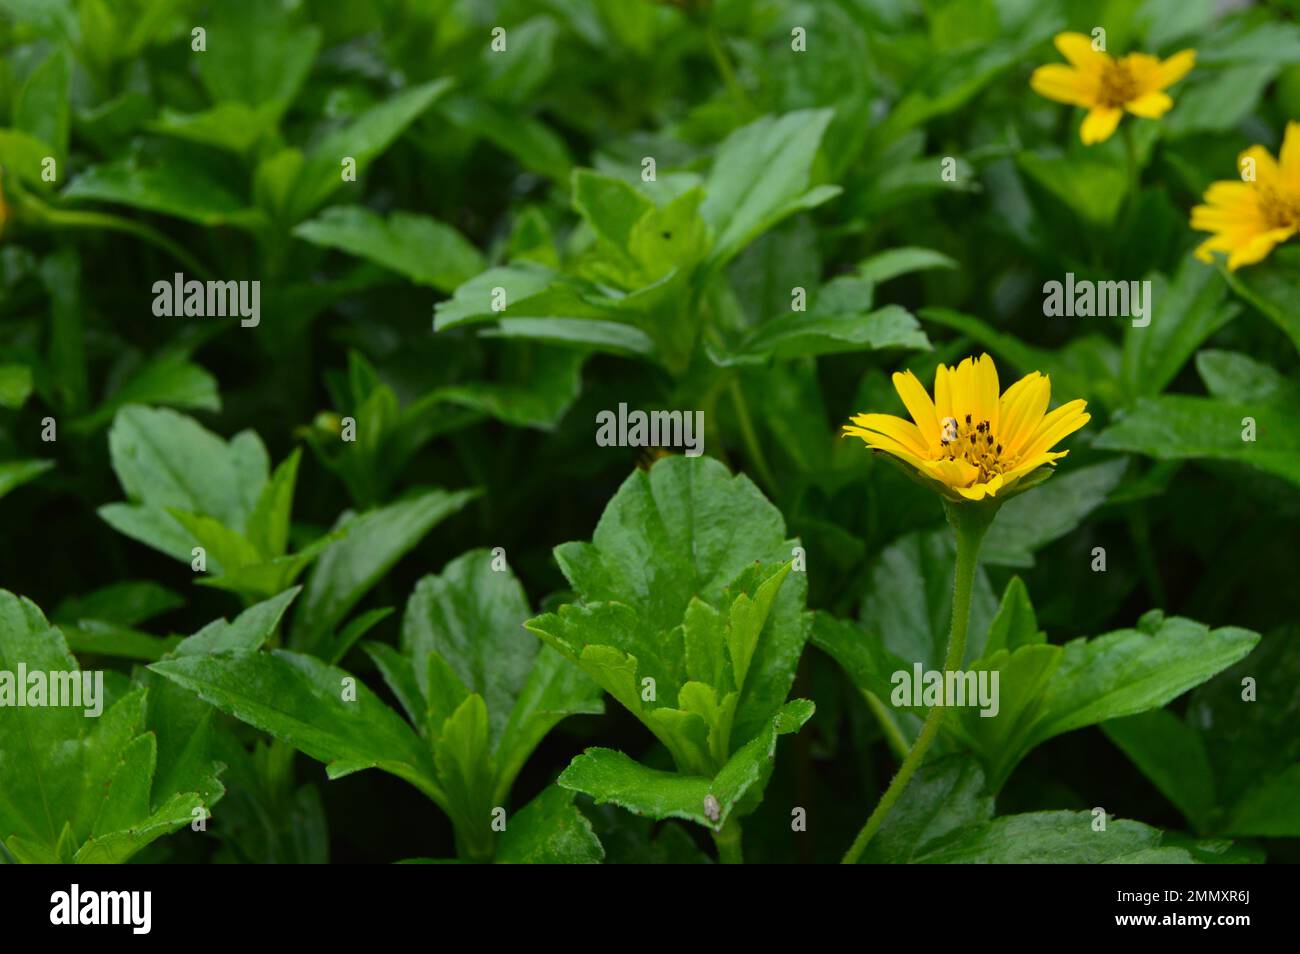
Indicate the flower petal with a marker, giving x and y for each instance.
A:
(1099, 124)
(955, 473)
(1257, 247)
(878, 441)
(1065, 85)
(1265, 167)
(1077, 48)
(1289, 154)
(1062, 422)
(1023, 407)
(905, 432)
(1151, 105)
(987, 390)
(918, 404)
(1174, 68)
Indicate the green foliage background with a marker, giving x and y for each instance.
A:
(522, 169)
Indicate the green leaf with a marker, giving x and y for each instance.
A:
(1239, 378)
(256, 54)
(549, 830)
(41, 105)
(944, 796)
(15, 385)
(902, 261)
(363, 139)
(555, 690)
(1183, 313)
(610, 206)
(248, 632)
(300, 701)
(1183, 427)
(126, 603)
(347, 570)
(530, 141)
(169, 378)
(909, 599)
(1056, 838)
(1091, 188)
(419, 247)
(1172, 755)
(175, 188)
(111, 639)
(1015, 624)
(687, 529)
(1247, 720)
(15, 473)
(1132, 670)
(609, 776)
(472, 616)
(268, 522)
(861, 654)
(233, 126)
(763, 173)
(1221, 103)
(805, 334)
(1029, 522)
(1272, 286)
(42, 787)
(166, 460)
(1269, 809)
(463, 637)
(86, 787)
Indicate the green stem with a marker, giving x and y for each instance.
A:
(750, 436)
(725, 69)
(1134, 174)
(888, 727)
(728, 842)
(970, 522)
(67, 219)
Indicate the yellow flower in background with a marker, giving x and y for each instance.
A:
(1108, 87)
(972, 441)
(1251, 216)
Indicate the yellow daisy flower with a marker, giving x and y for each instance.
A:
(1250, 217)
(971, 442)
(1108, 87)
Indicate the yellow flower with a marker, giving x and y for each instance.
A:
(1106, 87)
(969, 440)
(1250, 217)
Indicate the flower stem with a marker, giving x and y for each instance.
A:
(970, 522)
(752, 444)
(728, 842)
(1134, 174)
(726, 70)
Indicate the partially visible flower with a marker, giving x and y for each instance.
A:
(969, 441)
(1108, 87)
(1249, 217)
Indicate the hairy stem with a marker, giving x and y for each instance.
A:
(728, 842)
(970, 522)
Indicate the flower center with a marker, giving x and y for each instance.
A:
(1279, 211)
(1117, 86)
(974, 443)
